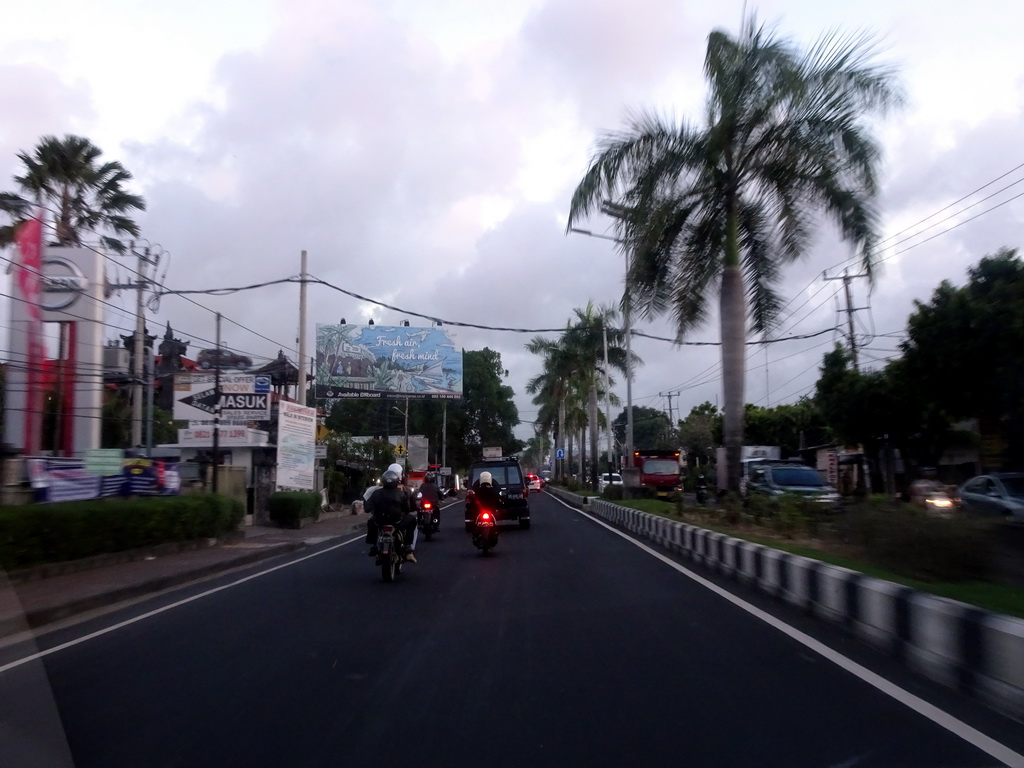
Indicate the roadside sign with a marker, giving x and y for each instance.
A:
(400, 449)
(104, 461)
(560, 453)
(445, 471)
(320, 452)
(243, 397)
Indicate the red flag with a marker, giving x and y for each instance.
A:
(30, 284)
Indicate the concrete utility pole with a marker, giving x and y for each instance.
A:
(301, 395)
(138, 346)
(670, 395)
(216, 412)
(846, 277)
(444, 433)
(607, 403)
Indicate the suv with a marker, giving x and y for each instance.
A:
(775, 478)
(508, 476)
(222, 358)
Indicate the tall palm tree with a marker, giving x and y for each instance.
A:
(79, 194)
(725, 205)
(584, 341)
(554, 383)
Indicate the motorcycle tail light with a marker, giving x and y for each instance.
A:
(427, 505)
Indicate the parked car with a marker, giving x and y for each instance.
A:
(545, 476)
(1000, 494)
(607, 479)
(775, 478)
(533, 482)
(222, 358)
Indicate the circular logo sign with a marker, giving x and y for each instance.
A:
(63, 283)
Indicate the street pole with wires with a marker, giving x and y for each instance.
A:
(300, 397)
(608, 404)
(138, 346)
(216, 411)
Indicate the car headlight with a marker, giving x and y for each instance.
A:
(939, 502)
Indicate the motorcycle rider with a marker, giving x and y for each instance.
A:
(488, 495)
(431, 493)
(391, 505)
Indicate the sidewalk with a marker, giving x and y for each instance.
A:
(42, 601)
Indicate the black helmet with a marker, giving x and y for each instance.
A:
(429, 477)
(390, 479)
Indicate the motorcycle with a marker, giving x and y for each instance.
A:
(428, 517)
(391, 552)
(485, 531)
(702, 493)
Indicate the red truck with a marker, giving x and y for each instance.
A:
(659, 472)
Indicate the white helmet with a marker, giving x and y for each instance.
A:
(397, 469)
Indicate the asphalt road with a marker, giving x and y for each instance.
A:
(568, 645)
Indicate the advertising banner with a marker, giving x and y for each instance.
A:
(296, 445)
(56, 480)
(355, 361)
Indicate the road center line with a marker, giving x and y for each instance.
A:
(170, 606)
(938, 716)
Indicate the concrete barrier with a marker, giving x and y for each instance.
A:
(957, 645)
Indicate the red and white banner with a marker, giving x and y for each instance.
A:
(30, 283)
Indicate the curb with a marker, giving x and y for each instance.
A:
(957, 645)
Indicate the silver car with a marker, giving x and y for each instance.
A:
(999, 494)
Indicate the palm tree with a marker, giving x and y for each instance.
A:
(552, 386)
(80, 194)
(584, 342)
(724, 206)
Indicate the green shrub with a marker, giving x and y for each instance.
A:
(33, 534)
(614, 493)
(572, 485)
(287, 508)
(912, 543)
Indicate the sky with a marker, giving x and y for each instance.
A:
(424, 152)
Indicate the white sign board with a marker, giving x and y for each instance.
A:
(296, 445)
(201, 436)
(243, 397)
(492, 452)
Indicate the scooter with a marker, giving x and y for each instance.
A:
(702, 493)
(428, 517)
(485, 531)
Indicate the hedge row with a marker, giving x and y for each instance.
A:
(287, 508)
(52, 533)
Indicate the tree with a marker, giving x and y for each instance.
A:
(965, 351)
(699, 432)
(488, 415)
(725, 206)
(80, 194)
(584, 342)
(790, 426)
(650, 428)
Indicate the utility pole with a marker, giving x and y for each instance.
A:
(140, 337)
(846, 277)
(407, 436)
(444, 433)
(671, 421)
(216, 412)
(301, 395)
(607, 404)
(150, 372)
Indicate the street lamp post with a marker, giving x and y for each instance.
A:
(628, 330)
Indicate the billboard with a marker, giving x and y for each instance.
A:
(374, 361)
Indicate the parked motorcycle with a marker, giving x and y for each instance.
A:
(485, 531)
(428, 517)
(391, 552)
(702, 493)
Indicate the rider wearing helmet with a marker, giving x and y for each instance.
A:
(391, 505)
(430, 492)
(488, 495)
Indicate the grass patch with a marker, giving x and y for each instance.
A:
(998, 598)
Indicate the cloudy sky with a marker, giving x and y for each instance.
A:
(424, 152)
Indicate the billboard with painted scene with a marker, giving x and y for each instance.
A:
(374, 361)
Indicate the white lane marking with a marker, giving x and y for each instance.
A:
(941, 718)
(156, 611)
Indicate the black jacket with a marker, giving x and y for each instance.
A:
(431, 493)
(389, 505)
